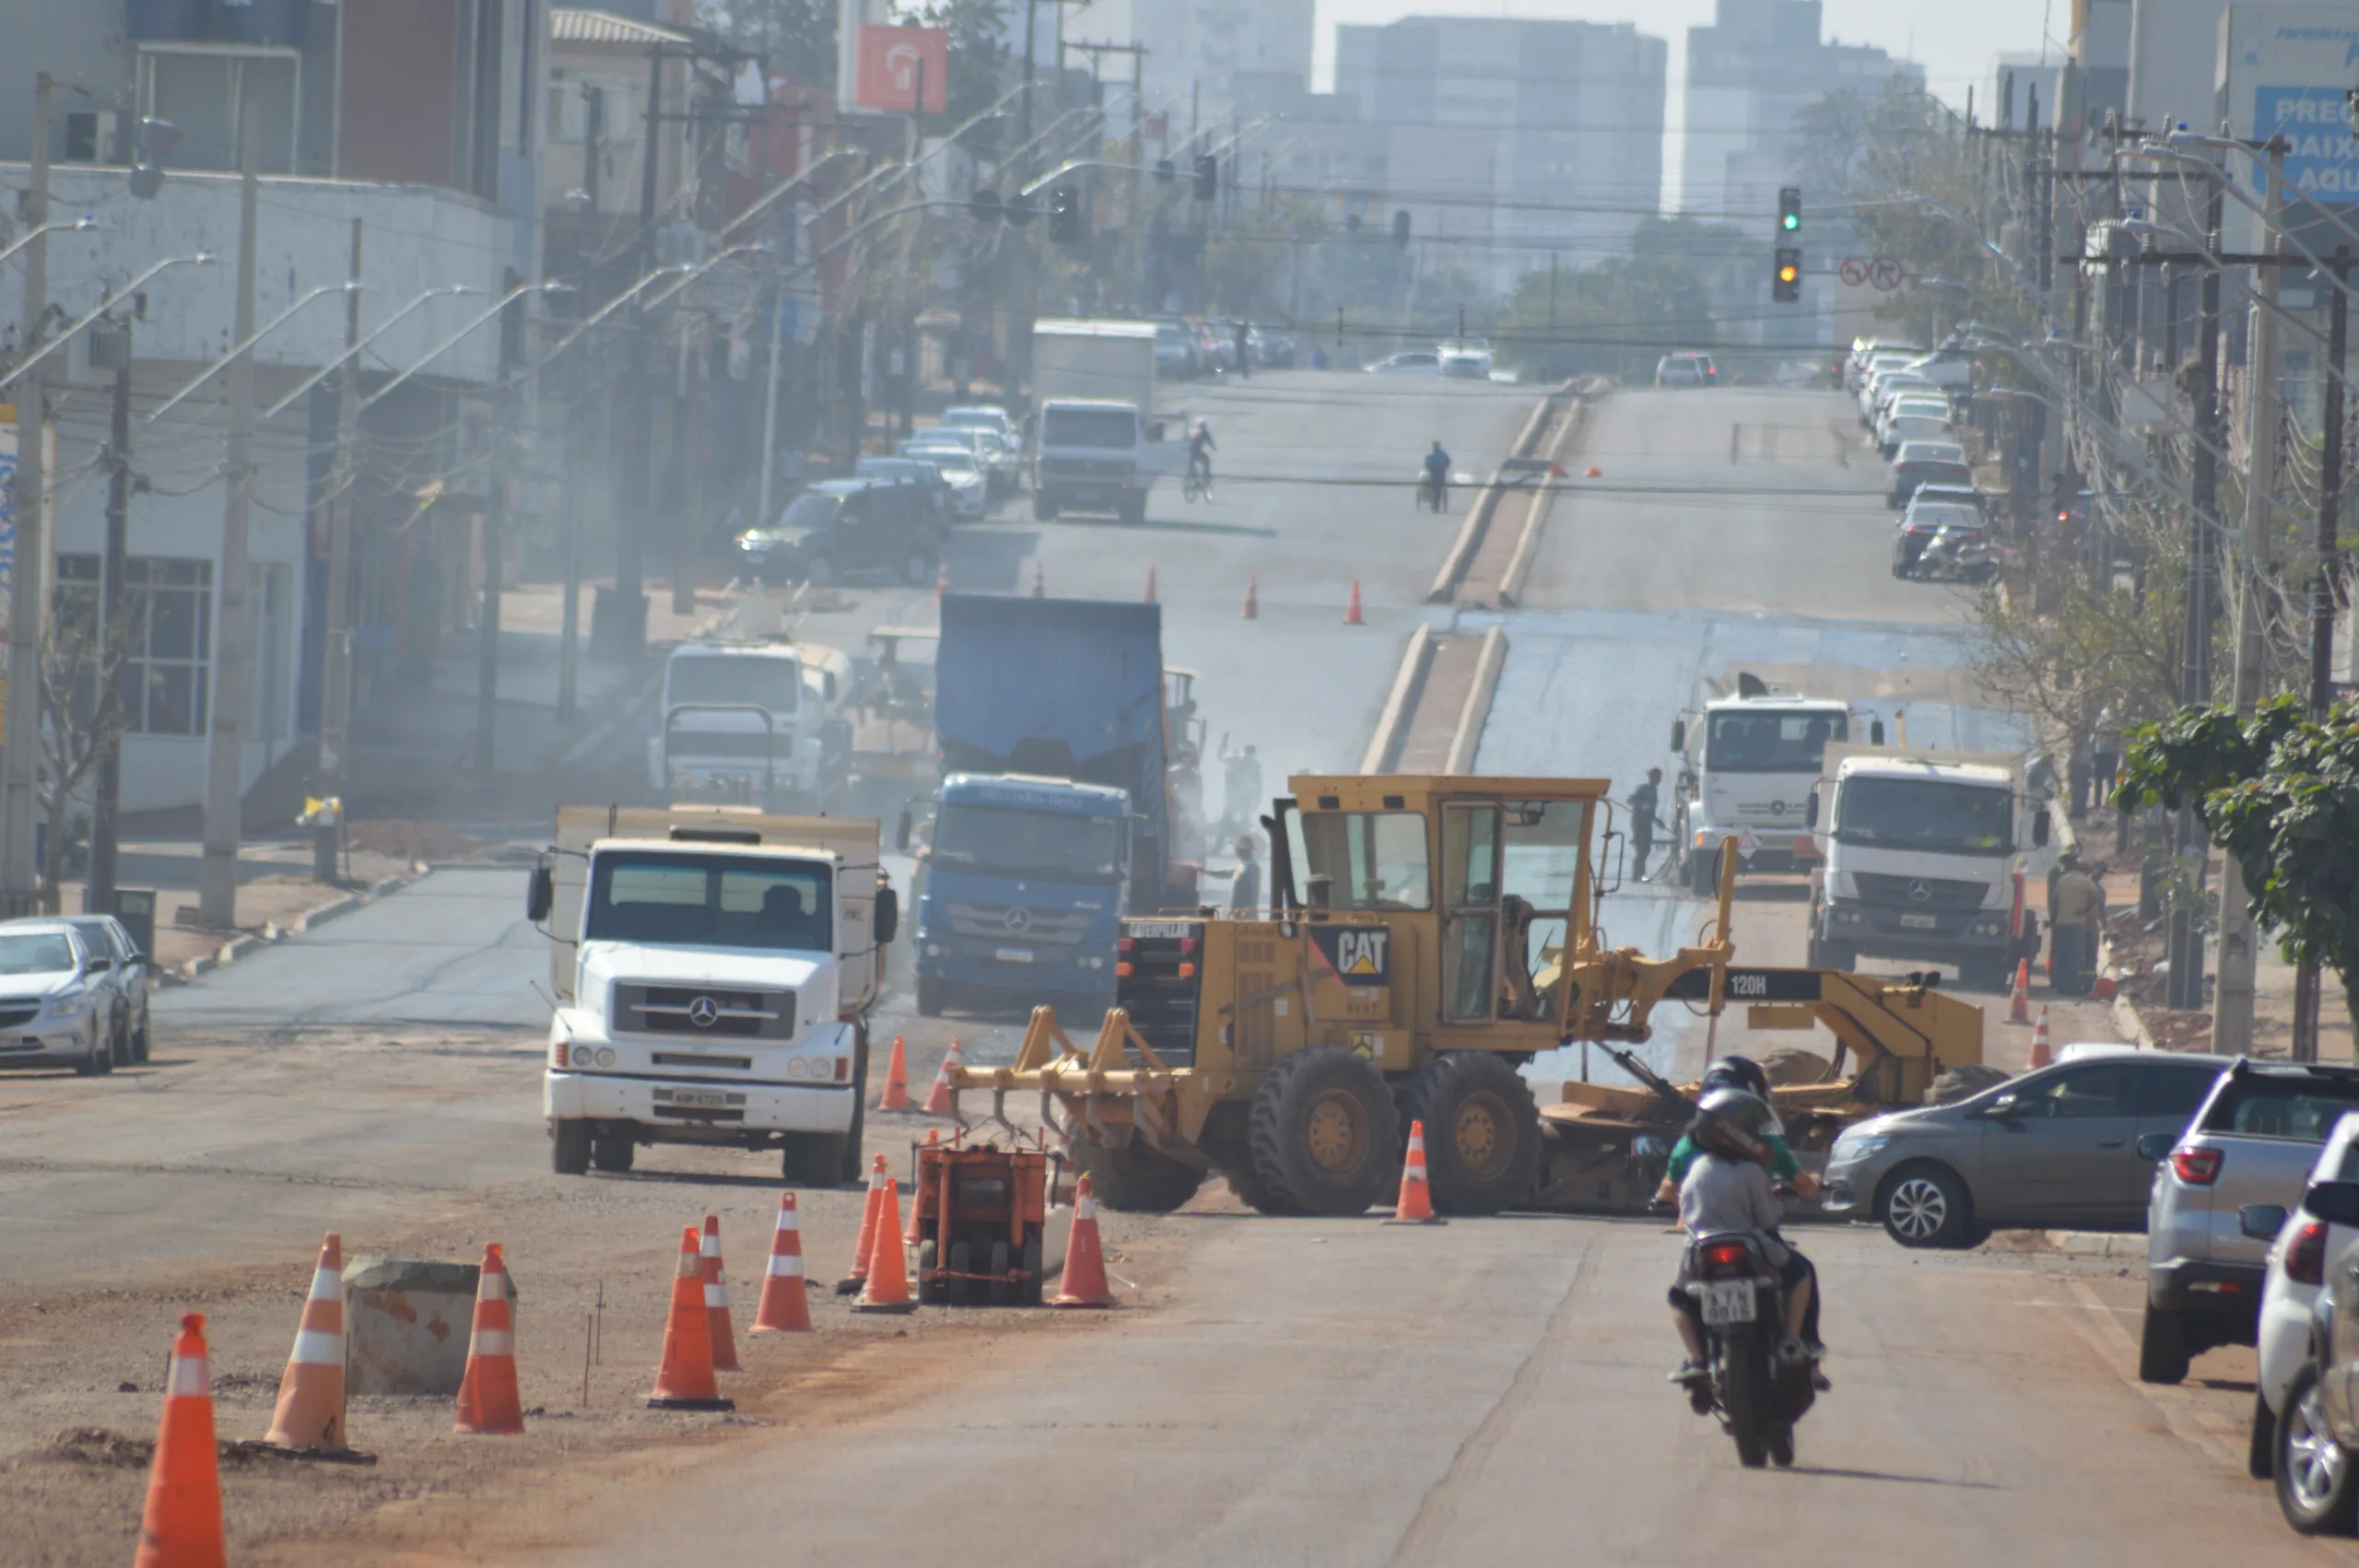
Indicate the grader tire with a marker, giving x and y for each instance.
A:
(1254, 1193)
(1324, 1133)
(1482, 1131)
(1136, 1179)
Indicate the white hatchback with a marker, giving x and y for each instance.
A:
(2296, 1271)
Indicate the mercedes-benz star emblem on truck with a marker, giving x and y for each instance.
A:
(704, 1012)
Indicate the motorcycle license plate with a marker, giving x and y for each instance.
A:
(1728, 1302)
(1918, 922)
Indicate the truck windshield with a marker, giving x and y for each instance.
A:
(1113, 427)
(1926, 814)
(680, 900)
(1371, 860)
(1771, 743)
(1009, 841)
(772, 684)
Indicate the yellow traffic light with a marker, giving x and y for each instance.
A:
(1788, 272)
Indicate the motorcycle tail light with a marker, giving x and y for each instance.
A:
(2306, 1259)
(1723, 1254)
(2196, 1167)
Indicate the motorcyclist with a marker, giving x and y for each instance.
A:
(1200, 452)
(1728, 1188)
(1437, 475)
(1735, 1072)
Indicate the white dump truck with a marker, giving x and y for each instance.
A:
(1929, 856)
(713, 968)
(1747, 766)
(756, 723)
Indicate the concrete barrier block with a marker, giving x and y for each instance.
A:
(407, 1321)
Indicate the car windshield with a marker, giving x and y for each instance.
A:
(1013, 841)
(765, 681)
(2265, 1105)
(1949, 514)
(814, 510)
(35, 953)
(1929, 814)
(950, 460)
(1931, 451)
(1110, 427)
(670, 899)
(973, 419)
(1942, 473)
(897, 469)
(1772, 742)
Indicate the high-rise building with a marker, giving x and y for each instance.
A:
(1749, 75)
(1513, 140)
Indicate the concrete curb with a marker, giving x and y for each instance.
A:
(1478, 516)
(1468, 739)
(1535, 521)
(271, 932)
(1393, 724)
(2096, 1244)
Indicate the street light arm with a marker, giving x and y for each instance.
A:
(201, 258)
(802, 178)
(347, 287)
(82, 225)
(2219, 177)
(452, 342)
(330, 368)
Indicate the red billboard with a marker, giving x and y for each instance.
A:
(894, 61)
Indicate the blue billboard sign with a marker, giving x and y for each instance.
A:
(2321, 155)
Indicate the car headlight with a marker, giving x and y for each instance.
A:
(1848, 1147)
(68, 1004)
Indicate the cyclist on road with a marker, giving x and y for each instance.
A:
(1437, 475)
(1200, 453)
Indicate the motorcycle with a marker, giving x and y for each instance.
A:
(1757, 1391)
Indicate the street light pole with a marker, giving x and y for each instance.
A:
(19, 878)
(225, 774)
(2186, 943)
(2323, 578)
(98, 886)
(335, 694)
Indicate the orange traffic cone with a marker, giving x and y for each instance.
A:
(937, 1099)
(310, 1396)
(1085, 1278)
(1352, 610)
(887, 1289)
(1252, 598)
(1417, 1204)
(2040, 1052)
(716, 1299)
(1039, 581)
(684, 1381)
(784, 1309)
(896, 1096)
(181, 1526)
(1148, 597)
(1592, 471)
(909, 1238)
(489, 1400)
(859, 1274)
(942, 582)
(2019, 1000)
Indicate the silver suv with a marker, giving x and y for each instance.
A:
(2252, 1142)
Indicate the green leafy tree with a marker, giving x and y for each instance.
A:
(2279, 791)
(796, 38)
(979, 61)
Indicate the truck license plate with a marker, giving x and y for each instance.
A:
(1014, 955)
(1918, 922)
(709, 1099)
(1728, 1302)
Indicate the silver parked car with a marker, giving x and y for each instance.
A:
(2253, 1141)
(133, 974)
(57, 1005)
(2056, 1147)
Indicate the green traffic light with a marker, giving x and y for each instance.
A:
(1793, 220)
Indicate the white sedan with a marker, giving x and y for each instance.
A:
(969, 492)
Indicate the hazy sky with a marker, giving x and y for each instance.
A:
(1954, 41)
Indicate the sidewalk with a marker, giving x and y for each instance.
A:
(275, 894)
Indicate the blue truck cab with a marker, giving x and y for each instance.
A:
(1020, 884)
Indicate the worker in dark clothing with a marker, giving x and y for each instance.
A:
(1645, 803)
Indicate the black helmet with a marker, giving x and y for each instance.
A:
(1737, 1124)
(1737, 1072)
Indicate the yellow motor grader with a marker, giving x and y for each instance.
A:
(1429, 937)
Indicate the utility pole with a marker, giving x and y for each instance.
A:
(2323, 580)
(687, 395)
(224, 776)
(2232, 997)
(630, 602)
(335, 684)
(106, 805)
(495, 520)
(2186, 943)
(28, 612)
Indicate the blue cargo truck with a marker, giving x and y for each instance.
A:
(1052, 821)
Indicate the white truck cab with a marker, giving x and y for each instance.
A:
(714, 969)
(1926, 855)
(752, 723)
(1748, 764)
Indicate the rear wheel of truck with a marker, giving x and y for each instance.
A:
(1324, 1131)
(1031, 1295)
(813, 1159)
(1137, 1179)
(1044, 507)
(1703, 872)
(1133, 510)
(613, 1155)
(1838, 955)
(929, 997)
(932, 1291)
(569, 1149)
(1482, 1131)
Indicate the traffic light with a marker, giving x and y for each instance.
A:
(1400, 229)
(1786, 283)
(1207, 177)
(985, 205)
(1064, 215)
(1789, 210)
(1166, 171)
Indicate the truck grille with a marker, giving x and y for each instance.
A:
(1163, 1004)
(692, 746)
(1939, 892)
(702, 1011)
(1014, 922)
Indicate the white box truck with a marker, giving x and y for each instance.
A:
(713, 967)
(1094, 430)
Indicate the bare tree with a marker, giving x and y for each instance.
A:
(82, 714)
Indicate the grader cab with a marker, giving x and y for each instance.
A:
(1428, 937)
